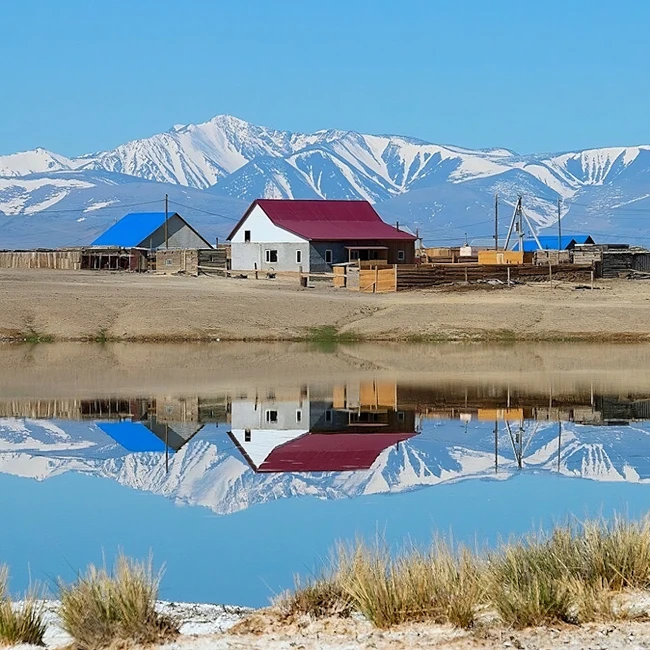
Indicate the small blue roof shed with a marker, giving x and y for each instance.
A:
(550, 242)
(145, 230)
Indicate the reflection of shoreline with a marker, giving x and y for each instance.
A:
(121, 369)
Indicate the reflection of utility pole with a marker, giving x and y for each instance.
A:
(496, 446)
(559, 443)
(167, 448)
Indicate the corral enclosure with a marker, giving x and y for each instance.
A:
(403, 277)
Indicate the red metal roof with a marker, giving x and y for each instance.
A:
(327, 220)
(330, 452)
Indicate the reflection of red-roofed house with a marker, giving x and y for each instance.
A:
(330, 452)
(286, 234)
(325, 429)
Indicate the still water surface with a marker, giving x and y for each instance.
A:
(238, 490)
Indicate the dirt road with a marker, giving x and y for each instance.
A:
(69, 306)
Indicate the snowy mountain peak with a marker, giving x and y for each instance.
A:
(443, 190)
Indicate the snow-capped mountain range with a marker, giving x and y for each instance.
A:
(213, 170)
(210, 472)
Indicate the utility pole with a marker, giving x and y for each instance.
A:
(496, 222)
(520, 226)
(166, 213)
(559, 224)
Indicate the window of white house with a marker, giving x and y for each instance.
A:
(247, 235)
(247, 435)
(298, 257)
(271, 416)
(400, 256)
(271, 256)
(298, 415)
(328, 256)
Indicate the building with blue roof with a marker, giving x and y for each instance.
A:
(147, 230)
(550, 242)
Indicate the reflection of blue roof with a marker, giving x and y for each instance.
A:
(132, 229)
(549, 242)
(133, 436)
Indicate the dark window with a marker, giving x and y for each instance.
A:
(271, 416)
(247, 435)
(328, 416)
(298, 415)
(328, 256)
(247, 235)
(400, 256)
(271, 257)
(298, 257)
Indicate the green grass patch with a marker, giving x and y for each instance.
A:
(101, 336)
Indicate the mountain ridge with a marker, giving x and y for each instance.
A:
(443, 190)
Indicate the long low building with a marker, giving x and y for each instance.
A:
(312, 235)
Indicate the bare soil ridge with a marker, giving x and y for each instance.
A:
(85, 306)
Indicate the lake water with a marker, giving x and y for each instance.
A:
(239, 487)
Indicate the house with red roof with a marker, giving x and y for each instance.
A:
(287, 234)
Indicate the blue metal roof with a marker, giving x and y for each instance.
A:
(549, 242)
(133, 436)
(132, 229)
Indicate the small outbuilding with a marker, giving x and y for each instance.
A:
(312, 235)
(550, 242)
(151, 230)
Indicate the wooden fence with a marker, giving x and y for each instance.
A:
(436, 275)
(69, 260)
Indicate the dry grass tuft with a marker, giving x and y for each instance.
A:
(102, 609)
(319, 598)
(573, 575)
(19, 624)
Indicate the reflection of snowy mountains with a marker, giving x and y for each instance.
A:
(210, 471)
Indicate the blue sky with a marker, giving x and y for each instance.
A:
(81, 76)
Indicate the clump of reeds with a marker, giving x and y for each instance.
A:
(571, 576)
(104, 608)
(19, 623)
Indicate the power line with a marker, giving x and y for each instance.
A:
(85, 211)
(214, 214)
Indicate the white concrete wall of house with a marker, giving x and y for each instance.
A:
(179, 235)
(262, 229)
(244, 256)
(289, 415)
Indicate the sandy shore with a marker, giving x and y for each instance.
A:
(216, 627)
(71, 306)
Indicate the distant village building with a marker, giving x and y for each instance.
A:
(550, 242)
(285, 235)
(148, 230)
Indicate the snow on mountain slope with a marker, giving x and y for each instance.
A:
(209, 472)
(34, 162)
(445, 191)
(79, 205)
